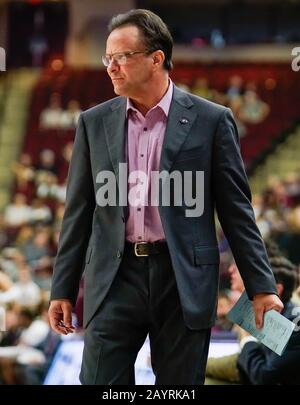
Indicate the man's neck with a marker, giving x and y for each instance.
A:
(152, 96)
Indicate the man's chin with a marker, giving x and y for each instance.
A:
(118, 91)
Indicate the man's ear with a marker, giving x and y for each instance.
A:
(280, 288)
(158, 58)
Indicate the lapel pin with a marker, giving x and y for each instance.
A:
(183, 121)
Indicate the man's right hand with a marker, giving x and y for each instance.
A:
(60, 316)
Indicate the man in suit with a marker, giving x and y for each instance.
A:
(148, 268)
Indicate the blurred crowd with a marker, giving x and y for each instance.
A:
(55, 117)
(242, 98)
(29, 233)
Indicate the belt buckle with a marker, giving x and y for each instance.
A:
(136, 248)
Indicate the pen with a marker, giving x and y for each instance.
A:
(68, 329)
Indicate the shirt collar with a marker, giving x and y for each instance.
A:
(164, 103)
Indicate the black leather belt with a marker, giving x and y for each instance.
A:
(146, 248)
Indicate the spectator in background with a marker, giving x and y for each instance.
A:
(27, 361)
(227, 298)
(291, 183)
(46, 187)
(59, 191)
(40, 212)
(38, 247)
(11, 259)
(69, 117)
(15, 322)
(24, 292)
(46, 174)
(47, 162)
(66, 155)
(67, 152)
(235, 87)
(51, 117)
(24, 172)
(236, 283)
(43, 274)
(55, 117)
(33, 372)
(201, 88)
(253, 110)
(24, 235)
(235, 104)
(262, 223)
(256, 364)
(18, 212)
(223, 324)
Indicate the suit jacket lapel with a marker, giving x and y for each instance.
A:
(180, 121)
(114, 125)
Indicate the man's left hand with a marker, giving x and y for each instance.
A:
(263, 303)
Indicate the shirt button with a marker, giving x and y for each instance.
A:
(119, 254)
(139, 209)
(145, 129)
(142, 155)
(139, 237)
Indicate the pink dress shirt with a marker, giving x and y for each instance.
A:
(144, 143)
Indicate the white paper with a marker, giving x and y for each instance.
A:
(276, 330)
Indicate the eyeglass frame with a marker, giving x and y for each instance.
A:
(123, 54)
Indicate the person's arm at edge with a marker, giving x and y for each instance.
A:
(75, 232)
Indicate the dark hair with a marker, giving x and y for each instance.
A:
(285, 273)
(156, 35)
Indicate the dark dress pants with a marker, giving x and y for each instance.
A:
(143, 299)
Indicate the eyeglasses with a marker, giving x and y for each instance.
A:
(120, 57)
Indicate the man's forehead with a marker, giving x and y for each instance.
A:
(123, 38)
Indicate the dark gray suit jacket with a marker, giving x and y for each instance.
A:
(200, 136)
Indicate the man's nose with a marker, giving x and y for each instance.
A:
(113, 66)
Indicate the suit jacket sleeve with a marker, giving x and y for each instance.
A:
(233, 203)
(259, 365)
(77, 221)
